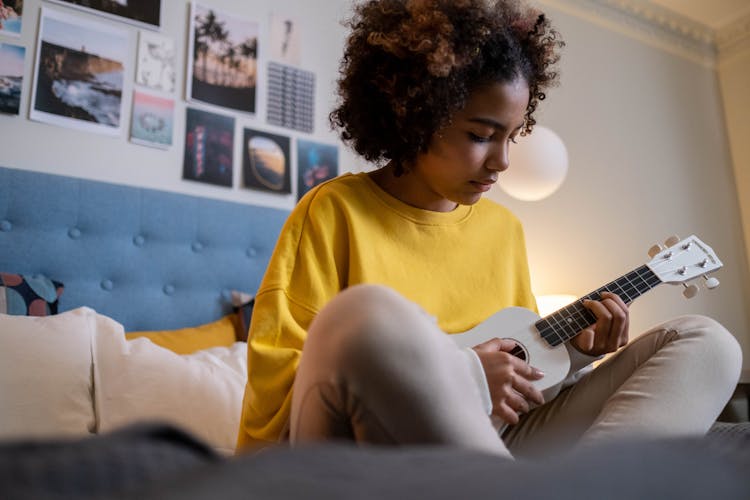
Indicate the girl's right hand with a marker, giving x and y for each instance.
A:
(509, 379)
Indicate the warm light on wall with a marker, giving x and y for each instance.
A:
(547, 304)
(538, 165)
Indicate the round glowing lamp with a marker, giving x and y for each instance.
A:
(538, 165)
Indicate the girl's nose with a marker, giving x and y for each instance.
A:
(499, 159)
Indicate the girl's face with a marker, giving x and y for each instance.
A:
(465, 158)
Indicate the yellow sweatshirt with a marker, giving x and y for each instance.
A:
(460, 266)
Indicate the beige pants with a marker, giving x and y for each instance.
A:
(377, 369)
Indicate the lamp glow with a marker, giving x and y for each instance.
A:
(538, 165)
(547, 304)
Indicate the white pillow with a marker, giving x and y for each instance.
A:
(45, 375)
(136, 380)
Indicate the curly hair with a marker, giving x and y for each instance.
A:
(409, 65)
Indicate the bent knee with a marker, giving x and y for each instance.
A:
(717, 345)
(360, 306)
(366, 312)
(372, 321)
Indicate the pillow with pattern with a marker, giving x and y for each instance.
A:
(24, 295)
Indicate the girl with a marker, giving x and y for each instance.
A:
(348, 336)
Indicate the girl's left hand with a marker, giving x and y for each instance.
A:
(610, 332)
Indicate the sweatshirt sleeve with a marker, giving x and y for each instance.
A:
(302, 276)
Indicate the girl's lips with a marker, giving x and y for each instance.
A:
(483, 186)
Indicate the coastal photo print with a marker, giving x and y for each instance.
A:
(209, 147)
(156, 62)
(265, 162)
(222, 63)
(144, 13)
(11, 17)
(152, 121)
(316, 163)
(11, 77)
(79, 74)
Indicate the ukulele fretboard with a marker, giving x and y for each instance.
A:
(565, 323)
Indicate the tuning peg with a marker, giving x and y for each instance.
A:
(690, 291)
(711, 283)
(654, 250)
(672, 240)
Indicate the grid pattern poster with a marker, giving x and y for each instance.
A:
(291, 96)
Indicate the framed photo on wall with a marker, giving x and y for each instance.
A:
(144, 13)
(156, 62)
(11, 15)
(265, 162)
(285, 39)
(11, 77)
(222, 63)
(79, 74)
(153, 120)
(316, 163)
(209, 147)
(291, 97)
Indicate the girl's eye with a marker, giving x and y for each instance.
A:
(478, 138)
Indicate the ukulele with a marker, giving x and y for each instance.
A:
(540, 340)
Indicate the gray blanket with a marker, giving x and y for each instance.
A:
(163, 462)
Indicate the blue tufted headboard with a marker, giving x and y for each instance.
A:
(149, 259)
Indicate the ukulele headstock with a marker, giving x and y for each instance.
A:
(683, 261)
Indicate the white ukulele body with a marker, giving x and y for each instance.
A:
(517, 323)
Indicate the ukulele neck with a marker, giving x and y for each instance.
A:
(565, 323)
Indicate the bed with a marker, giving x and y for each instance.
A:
(128, 259)
(130, 381)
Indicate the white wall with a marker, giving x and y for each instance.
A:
(644, 129)
(734, 75)
(37, 146)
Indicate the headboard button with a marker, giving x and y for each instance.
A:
(169, 289)
(251, 252)
(5, 226)
(139, 240)
(197, 246)
(74, 233)
(107, 285)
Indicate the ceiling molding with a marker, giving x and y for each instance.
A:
(734, 37)
(652, 24)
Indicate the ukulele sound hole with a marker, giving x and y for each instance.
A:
(520, 352)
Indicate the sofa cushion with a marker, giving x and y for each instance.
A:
(219, 333)
(138, 381)
(45, 375)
